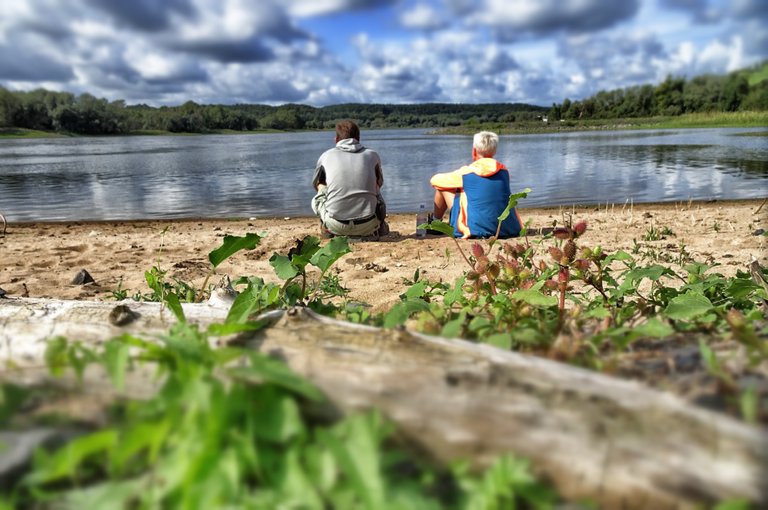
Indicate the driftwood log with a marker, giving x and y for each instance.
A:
(612, 441)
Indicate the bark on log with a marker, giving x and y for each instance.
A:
(613, 441)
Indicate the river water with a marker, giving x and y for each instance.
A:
(150, 177)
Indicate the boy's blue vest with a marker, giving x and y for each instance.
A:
(486, 199)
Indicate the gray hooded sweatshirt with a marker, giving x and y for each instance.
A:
(353, 176)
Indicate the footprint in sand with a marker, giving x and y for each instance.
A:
(79, 248)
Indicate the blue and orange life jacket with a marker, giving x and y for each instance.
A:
(482, 194)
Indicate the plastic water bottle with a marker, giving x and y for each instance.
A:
(421, 217)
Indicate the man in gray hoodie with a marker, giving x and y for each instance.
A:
(348, 181)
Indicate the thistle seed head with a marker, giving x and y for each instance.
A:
(570, 250)
(556, 253)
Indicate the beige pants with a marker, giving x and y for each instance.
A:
(337, 227)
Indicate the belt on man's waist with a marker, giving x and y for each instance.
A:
(358, 221)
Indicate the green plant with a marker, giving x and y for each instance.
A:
(176, 291)
(654, 234)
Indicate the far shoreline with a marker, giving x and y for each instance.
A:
(748, 119)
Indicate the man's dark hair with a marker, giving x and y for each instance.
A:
(347, 129)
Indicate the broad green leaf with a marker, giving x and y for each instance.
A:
(400, 312)
(12, 397)
(653, 328)
(526, 336)
(140, 437)
(256, 297)
(512, 202)
(278, 415)
(735, 504)
(325, 257)
(56, 355)
(619, 255)
(224, 355)
(108, 495)
(599, 312)
(78, 357)
(116, 356)
(415, 291)
(500, 340)
(232, 328)
(709, 357)
(172, 300)
(653, 273)
(741, 288)
(479, 323)
(284, 268)
(439, 226)
(296, 489)
(302, 253)
(65, 461)
(455, 293)
(453, 328)
(687, 306)
(749, 404)
(267, 370)
(535, 298)
(356, 446)
(232, 245)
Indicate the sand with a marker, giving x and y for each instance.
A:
(41, 259)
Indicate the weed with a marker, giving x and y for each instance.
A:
(654, 234)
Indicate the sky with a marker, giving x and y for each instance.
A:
(321, 52)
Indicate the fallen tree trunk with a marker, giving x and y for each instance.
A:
(612, 441)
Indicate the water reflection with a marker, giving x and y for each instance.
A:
(269, 175)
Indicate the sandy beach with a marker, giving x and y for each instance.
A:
(41, 259)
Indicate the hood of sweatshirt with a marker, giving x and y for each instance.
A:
(349, 145)
(486, 167)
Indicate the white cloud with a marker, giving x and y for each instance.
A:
(717, 55)
(423, 17)
(461, 51)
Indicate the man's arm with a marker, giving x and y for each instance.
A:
(319, 177)
(379, 176)
(449, 181)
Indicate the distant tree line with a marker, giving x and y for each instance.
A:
(745, 90)
(85, 114)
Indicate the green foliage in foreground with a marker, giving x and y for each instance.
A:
(233, 428)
